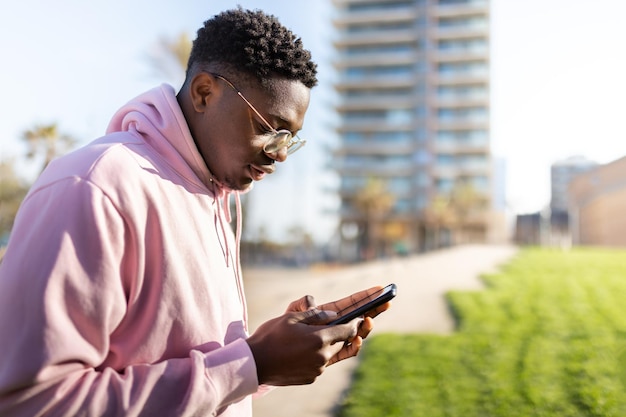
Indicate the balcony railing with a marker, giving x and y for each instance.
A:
(376, 37)
(462, 147)
(348, 83)
(377, 102)
(375, 148)
(455, 170)
(381, 169)
(469, 8)
(377, 58)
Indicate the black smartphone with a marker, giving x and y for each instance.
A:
(376, 299)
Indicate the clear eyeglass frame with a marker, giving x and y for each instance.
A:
(278, 139)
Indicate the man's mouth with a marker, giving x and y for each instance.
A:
(259, 172)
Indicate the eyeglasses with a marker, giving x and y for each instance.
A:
(279, 139)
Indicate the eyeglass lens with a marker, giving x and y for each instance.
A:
(278, 141)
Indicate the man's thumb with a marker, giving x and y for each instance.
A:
(317, 317)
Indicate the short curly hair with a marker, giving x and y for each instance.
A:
(254, 43)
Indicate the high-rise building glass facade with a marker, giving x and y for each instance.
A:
(413, 105)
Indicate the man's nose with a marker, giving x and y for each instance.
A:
(279, 155)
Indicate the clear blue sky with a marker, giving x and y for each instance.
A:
(557, 89)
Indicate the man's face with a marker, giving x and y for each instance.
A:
(231, 137)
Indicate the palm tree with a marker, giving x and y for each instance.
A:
(466, 202)
(439, 215)
(47, 141)
(373, 201)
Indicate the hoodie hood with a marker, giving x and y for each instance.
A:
(156, 116)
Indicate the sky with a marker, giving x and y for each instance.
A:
(557, 67)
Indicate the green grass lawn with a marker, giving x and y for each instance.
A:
(546, 338)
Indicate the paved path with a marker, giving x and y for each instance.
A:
(419, 307)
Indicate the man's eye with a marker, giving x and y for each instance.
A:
(263, 130)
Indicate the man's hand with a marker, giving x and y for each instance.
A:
(289, 350)
(295, 348)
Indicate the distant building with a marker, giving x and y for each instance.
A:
(597, 206)
(551, 226)
(561, 173)
(527, 229)
(413, 87)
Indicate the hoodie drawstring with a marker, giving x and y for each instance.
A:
(237, 265)
(222, 200)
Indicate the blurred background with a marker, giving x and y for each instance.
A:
(435, 122)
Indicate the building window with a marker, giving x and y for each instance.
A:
(462, 45)
(474, 22)
(384, 138)
(378, 71)
(399, 185)
(445, 159)
(445, 185)
(377, 93)
(421, 201)
(468, 114)
(379, 49)
(377, 161)
(364, 116)
(423, 179)
(379, 27)
(454, 69)
(474, 92)
(461, 2)
(463, 137)
(480, 183)
(399, 116)
(380, 6)
(402, 206)
(422, 157)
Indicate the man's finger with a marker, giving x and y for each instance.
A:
(349, 350)
(305, 303)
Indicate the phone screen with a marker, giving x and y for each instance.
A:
(376, 299)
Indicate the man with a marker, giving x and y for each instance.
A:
(121, 290)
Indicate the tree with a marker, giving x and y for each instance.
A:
(439, 215)
(453, 211)
(46, 141)
(12, 192)
(171, 55)
(466, 202)
(373, 201)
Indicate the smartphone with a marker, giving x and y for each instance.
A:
(376, 299)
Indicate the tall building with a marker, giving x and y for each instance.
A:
(413, 105)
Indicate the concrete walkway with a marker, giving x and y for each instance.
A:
(419, 307)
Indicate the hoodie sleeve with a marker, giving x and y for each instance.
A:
(61, 297)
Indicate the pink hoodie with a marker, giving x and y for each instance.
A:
(121, 291)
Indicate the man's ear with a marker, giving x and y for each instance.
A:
(202, 89)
